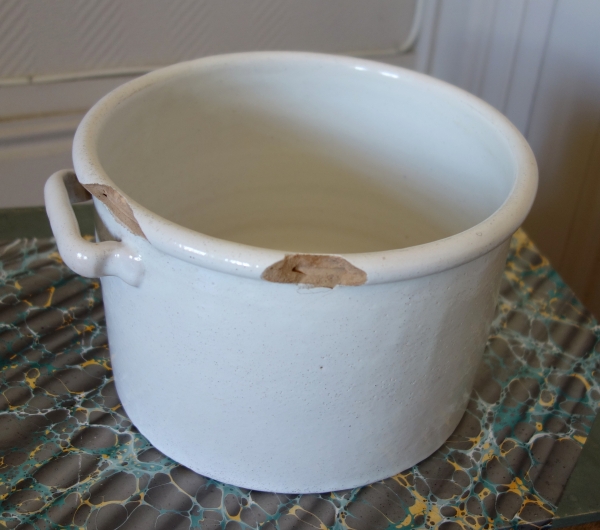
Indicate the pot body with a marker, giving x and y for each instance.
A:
(280, 387)
(300, 256)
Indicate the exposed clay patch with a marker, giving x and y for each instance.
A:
(117, 205)
(77, 193)
(315, 270)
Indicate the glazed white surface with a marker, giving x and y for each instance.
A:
(278, 386)
(285, 388)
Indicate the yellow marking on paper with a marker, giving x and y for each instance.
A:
(297, 507)
(51, 289)
(94, 362)
(55, 256)
(456, 466)
(30, 380)
(517, 486)
(513, 277)
(420, 507)
(407, 521)
(583, 380)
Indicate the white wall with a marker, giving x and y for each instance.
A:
(72, 35)
(102, 38)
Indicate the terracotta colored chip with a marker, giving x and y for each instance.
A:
(315, 270)
(117, 205)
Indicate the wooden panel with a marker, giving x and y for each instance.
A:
(580, 264)
(592, 294)
(563, 129)
(538, 61)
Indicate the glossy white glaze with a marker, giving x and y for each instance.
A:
(465, 165)
(228, 164)
(109, 258)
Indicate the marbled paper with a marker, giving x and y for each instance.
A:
(70, 458)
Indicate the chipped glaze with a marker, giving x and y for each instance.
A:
(482, 122)
(333, 262)
(70, 457)
(109, 258)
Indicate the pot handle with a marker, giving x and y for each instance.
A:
(108, 258)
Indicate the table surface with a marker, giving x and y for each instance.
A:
(70, 456)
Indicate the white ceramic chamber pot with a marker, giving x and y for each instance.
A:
(300, 256)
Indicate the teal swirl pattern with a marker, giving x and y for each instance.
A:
(70, 457)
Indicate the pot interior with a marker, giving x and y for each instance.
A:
(307, 156)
